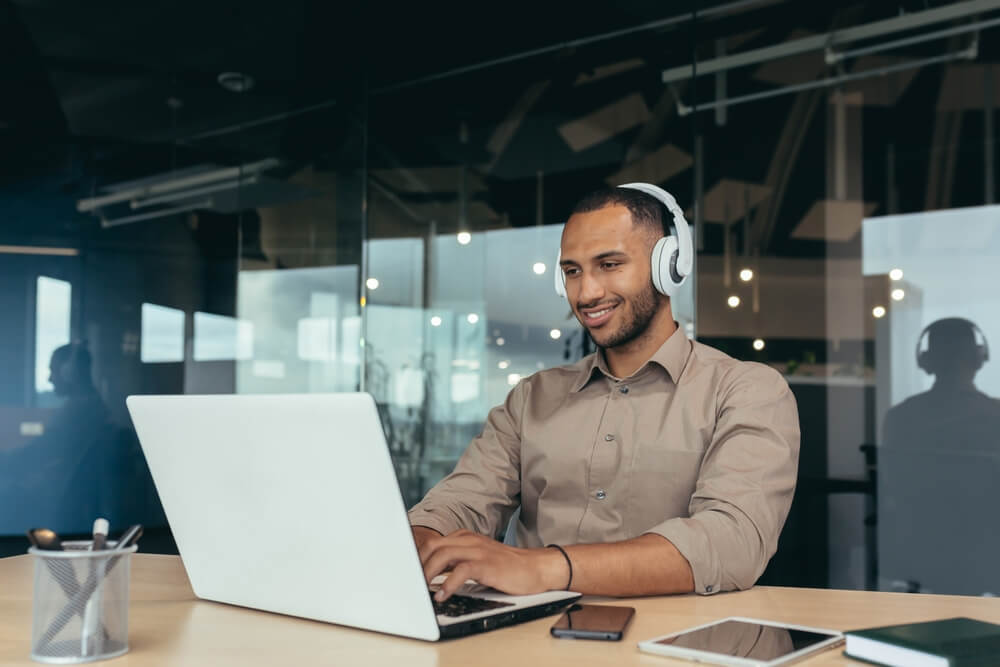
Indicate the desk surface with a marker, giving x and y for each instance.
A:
(169, 626)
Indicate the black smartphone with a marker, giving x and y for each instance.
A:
(593, 621)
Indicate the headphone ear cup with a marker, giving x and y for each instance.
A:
(560, 277)
(982, 356)
(663, 261)
(64, 372)
(924, 362)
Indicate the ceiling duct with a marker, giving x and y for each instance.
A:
(834, 47)
(202, 187)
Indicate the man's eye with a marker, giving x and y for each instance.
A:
(571, 272)
(610, 265)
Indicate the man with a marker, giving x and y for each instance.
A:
(657, 465)
(954, 412)
(937, 468)
(54, 480)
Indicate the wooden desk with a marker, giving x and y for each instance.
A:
(168, 626)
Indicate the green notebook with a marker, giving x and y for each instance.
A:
(951, 642)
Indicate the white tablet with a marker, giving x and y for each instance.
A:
(743, 642)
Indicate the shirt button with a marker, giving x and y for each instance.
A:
(609, 437)
(624, 389)
(708, 589)
(600, 495)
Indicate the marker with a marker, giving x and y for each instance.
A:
(100, 535)
(91, 638)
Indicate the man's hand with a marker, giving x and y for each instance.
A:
(508, 569)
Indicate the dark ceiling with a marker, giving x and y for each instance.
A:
(131, 89)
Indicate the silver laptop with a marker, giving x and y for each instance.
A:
(290, 504)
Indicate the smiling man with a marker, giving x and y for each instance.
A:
(656, 465)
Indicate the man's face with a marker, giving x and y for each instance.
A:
(605, 258)
(56, 378)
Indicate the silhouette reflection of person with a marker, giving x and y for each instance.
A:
(71, 377)
(937, 469)
(54, 481)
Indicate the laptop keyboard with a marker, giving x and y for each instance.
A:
(460, 605)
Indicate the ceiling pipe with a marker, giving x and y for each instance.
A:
(965, 54)
(833, 57)
(162, 213)
(831, 40)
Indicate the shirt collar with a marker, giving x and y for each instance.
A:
(672, 356)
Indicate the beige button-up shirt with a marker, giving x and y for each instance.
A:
(695, 446)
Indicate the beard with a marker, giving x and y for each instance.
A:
(639, 312)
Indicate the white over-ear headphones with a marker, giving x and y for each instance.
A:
(673, 255)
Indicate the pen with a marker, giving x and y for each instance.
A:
(90, 639)
(129, 537)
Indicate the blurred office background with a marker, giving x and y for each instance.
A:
(261, 197)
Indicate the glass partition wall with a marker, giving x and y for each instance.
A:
(848, 238)
(470, 180)
(232, 227)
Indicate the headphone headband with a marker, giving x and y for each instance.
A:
(685, 254)
(984, 347)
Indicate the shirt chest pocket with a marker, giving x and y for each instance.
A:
(665, 473)
(665, 468)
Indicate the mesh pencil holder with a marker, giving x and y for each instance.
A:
(80, 603)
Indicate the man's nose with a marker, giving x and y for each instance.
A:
(591, 289)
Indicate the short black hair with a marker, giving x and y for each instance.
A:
(647, 211)
(76, 355)
(951, 335)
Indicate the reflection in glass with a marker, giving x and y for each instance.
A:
(219, 337)
(81, 466)
(305, 327)
(746, 640)
(939, 464)
(947, 274)
(939, 454)
(162, 337)
(53, 300)
(441, 351)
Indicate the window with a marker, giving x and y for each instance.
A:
(162, 334)
(52, 325)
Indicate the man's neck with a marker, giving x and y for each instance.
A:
(954, 384)
(624, 360)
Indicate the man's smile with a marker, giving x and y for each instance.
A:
(598, 315)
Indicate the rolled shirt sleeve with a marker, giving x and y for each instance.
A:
(745, 485)
(484, 489)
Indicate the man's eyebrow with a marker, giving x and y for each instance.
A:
(607, 254)
(611, 253)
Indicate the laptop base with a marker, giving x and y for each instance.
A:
(478, 625)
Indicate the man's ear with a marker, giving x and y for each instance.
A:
(63, 373)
